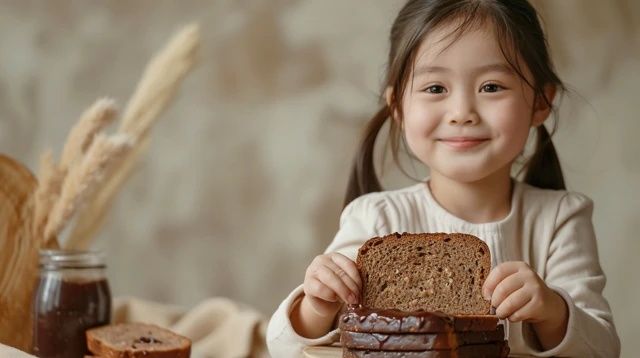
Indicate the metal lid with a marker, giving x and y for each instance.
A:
(79, 259)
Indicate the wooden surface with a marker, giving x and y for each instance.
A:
(336, 352)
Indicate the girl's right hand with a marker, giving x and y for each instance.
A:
(330, 280)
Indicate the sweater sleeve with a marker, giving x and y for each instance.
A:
(573, 270)
(359, 222)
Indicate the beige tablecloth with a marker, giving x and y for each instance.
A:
(217, 327)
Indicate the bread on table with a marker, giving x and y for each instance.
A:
(136, 340)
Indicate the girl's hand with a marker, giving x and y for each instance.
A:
(519, 294)
(330, 280)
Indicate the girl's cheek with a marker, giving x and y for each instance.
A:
(514, 132)
(421, 125)
(425, 114)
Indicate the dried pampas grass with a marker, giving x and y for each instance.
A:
(93, 214)
(93, 166)
(92, 121)
(47, 192)
(51, 174)
(83, 177)
(154, 92)
(160, 81)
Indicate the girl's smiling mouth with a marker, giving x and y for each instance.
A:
(463, 142)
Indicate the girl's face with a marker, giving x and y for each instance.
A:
(467, 114)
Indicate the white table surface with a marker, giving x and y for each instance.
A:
(10, 352)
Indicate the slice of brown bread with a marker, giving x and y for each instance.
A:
(431, 272)
(133, 340)
(418, 341)
(357, 318)
(489, 350)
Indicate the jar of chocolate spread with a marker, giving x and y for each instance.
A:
(72, 296)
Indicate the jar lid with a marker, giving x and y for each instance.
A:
(76, 259)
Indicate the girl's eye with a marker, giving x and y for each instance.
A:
(491, 87)
(435, 89)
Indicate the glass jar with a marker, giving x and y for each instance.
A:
(72, 296)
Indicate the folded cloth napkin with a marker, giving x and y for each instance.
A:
(217, 327)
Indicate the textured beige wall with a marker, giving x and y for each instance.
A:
(243, 183)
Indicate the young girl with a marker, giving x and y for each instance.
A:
(466, 81)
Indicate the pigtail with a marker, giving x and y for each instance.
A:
(543, 169)
(363, 178)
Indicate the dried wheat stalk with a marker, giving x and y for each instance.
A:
(160, 81)
(51, 175)
(83, 177)
(47, 192)
(92, 121)
(154, 92)
(92, 215)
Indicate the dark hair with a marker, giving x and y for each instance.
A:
(521, 38)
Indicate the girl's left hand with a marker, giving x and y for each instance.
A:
(519, 294)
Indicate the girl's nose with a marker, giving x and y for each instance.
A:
(467, 119)
(462, 112)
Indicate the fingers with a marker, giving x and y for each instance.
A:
(322, 307)
(349, 267)
(340, 283)
(516, 291)
(524, 312)
(513, 303)
(498, 274)
(317, 289)
(345, 279)
(505, 288)
(327, 280)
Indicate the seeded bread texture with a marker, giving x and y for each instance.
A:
(134, 340)
(431, 272)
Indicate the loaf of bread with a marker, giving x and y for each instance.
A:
(136, 340)
(431, 272)
(418, 341)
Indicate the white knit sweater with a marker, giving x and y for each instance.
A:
(549, 230)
